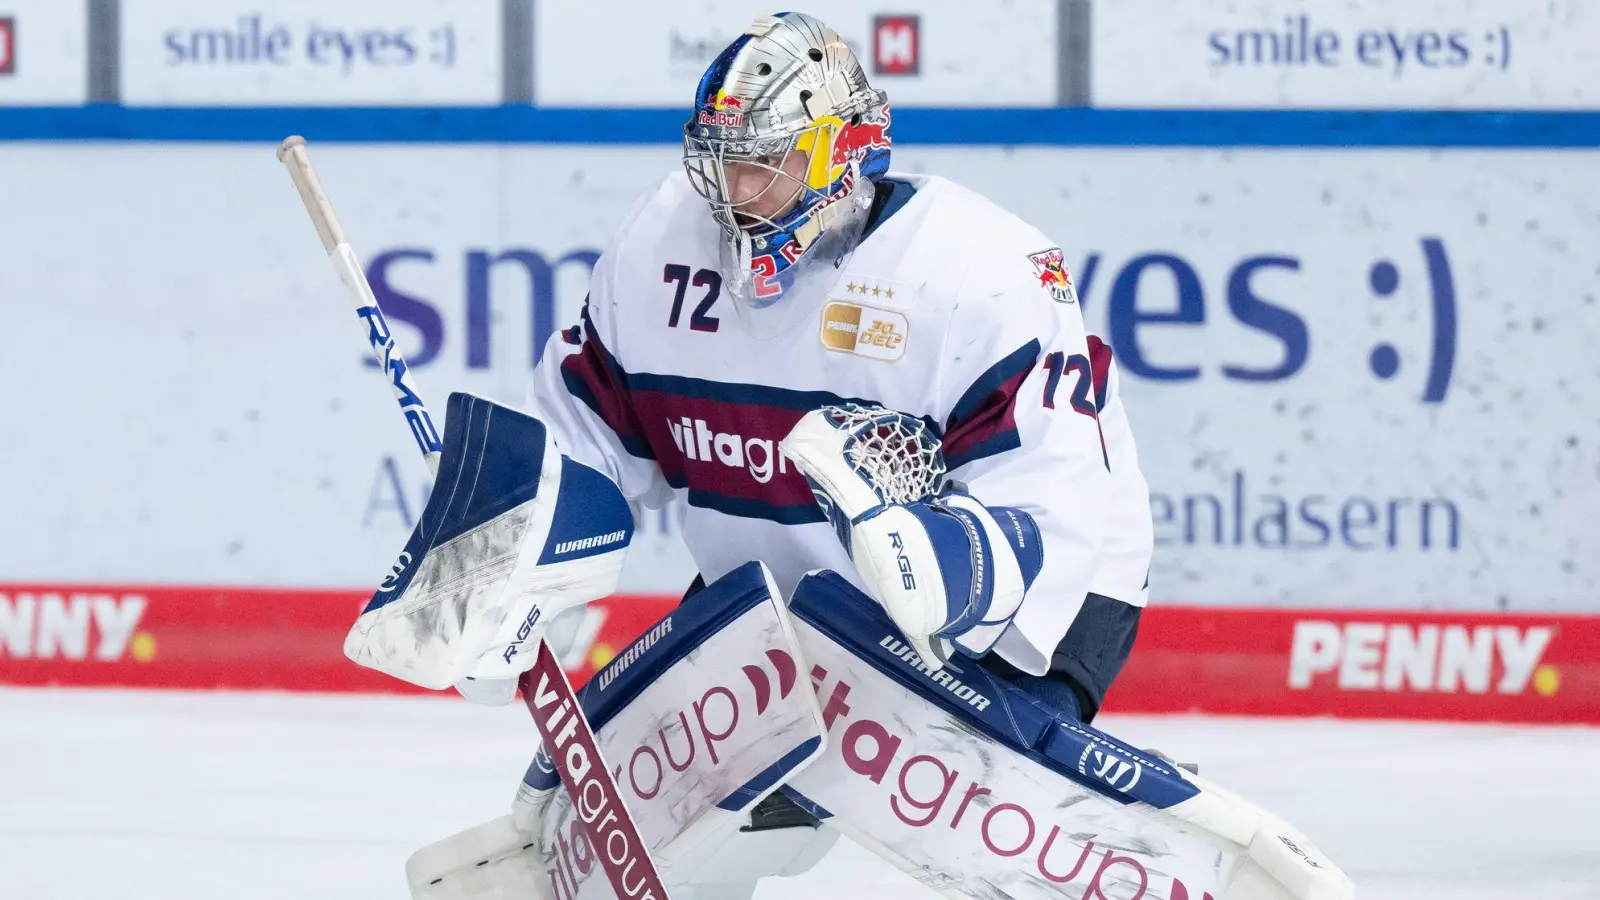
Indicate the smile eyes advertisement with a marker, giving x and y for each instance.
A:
(1356, 378)
(1431, 54)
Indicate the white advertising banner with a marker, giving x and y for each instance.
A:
(924, 53)
(307, 52)
(1492, 54)
(1356, 377)
(44, 52)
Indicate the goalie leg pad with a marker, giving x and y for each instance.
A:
(702, 717)
(976, 789)
(692, 767)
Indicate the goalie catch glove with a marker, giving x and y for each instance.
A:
(950, 571)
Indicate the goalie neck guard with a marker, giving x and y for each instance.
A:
(785, 143)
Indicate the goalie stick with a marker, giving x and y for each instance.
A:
(612, 834)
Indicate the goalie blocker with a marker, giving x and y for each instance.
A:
(513, 533)
(953, 775)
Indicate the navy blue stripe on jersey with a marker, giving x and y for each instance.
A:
(782, 513)
(892, 196)
(984, 421)
(594, 376)
(1019, 360)
(741, 394)
(719, 441)
(996, 444)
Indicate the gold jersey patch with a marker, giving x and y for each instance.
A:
(864, 331)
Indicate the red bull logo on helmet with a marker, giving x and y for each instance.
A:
(856, 141)
(726, 111)
(1053, 275)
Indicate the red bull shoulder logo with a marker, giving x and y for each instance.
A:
(1053, 275)
(726, 111)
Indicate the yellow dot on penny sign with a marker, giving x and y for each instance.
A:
(1546, 680)
(143, 647)
(601, 654)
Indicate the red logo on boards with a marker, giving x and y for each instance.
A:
(896, 45)
(8, 45)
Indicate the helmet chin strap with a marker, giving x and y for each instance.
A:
(741, 250)
(736, 255)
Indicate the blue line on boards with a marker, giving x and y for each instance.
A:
(1050, 126)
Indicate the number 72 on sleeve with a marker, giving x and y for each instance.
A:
(1058, 365)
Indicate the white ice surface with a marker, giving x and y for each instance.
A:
(109, 795)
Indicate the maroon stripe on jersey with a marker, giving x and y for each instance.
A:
(593, 376)
(984, 422)
(718, 441)
(1099, 369)
(1099, 377)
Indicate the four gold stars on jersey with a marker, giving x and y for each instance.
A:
(862, 289)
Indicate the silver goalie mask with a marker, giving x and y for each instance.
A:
(785, 143)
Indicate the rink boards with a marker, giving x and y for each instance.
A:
(1362, 663)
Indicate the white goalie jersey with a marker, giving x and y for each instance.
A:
(951, 310)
